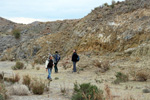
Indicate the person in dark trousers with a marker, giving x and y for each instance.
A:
(56, 57)
(75, 58)
(49, 64)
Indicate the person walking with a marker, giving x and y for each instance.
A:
(49, 66)
(75, 59)
(56, 57)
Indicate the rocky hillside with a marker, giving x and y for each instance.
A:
(121, 28)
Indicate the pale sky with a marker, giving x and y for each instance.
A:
(27, 11)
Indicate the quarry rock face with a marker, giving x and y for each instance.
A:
(123, 27)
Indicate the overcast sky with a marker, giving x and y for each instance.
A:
(27, 11)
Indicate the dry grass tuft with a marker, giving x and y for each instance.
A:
(19, 65)
(37, 68)
(38, 86)
(139, 74)
(103, 65)
(142, 75)
(19, 89)
(33, 65)
(108, 93)
(27, 80)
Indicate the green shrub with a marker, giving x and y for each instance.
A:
(113, 4)
(106, 4)
(19, 65)
(2, 92)
(2, 97)
(120, 77)
(16, 33)
(86, 91)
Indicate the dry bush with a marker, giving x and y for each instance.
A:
(142, 75)
(19, 89)
(37, 68)
(4, 58)
(108, 93)
(103, 65)
(97, 64)
(16, 33)
(14, 79)
(38, 86)
(139, 74)
(27, 80)
(33, 65)
(19, 65)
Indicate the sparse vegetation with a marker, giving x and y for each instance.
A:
(16, 33)
(120, 77)
(38, 61)
(19, 89)
(33, 65)
(113, 4)
(37, 86)
(97, 63)
(27, 80)
(86, 91)
(139, 74)
(142, 75)
(19, 65)
(106, 4)
(3, 91)
(56, 78)
(37, 68)
(63, 89)
(108, 93)
(14, 79)
(103, 65)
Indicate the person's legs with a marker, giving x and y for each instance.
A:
(74, 66)
(49, 73)
(56, 69)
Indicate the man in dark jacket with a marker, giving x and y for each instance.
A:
(49, 67)
(56, 59)
(74, 60)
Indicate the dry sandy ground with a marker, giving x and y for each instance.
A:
(67, 80)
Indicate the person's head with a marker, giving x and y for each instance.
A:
(74, 50)
(50, 57)
(56, 51)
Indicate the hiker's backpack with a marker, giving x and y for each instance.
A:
(57, 58)
(78, 58)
